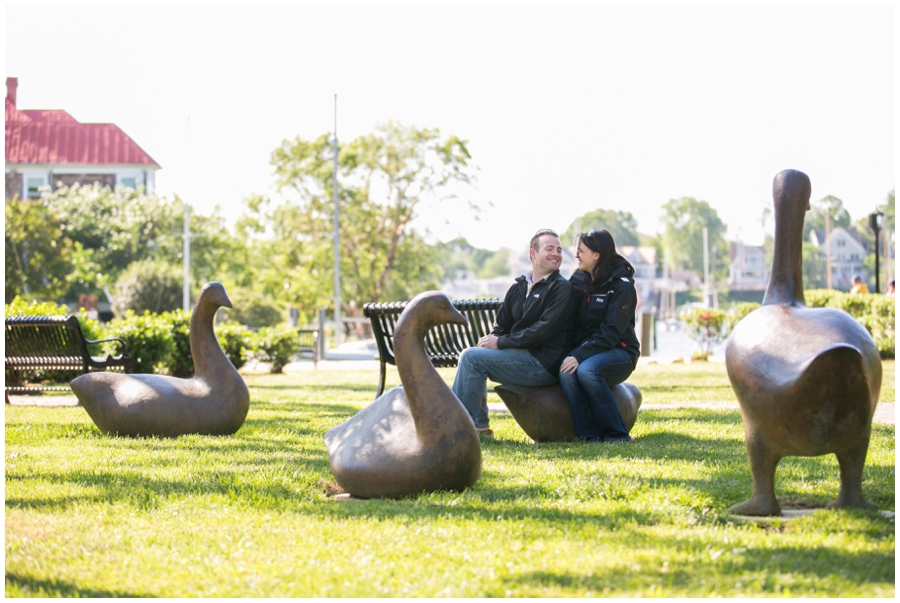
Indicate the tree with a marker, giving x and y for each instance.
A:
(682, 238)
(622, 225)
(385, 177)
(815, 217)
(37, 259)
(112, 228)
(815, 272)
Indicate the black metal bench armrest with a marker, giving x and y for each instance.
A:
(119, 339)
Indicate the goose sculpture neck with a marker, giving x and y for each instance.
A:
(205, 348)
(790, 190)
(417, 373)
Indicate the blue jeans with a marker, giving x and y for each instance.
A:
(590, 396)
(507, 367)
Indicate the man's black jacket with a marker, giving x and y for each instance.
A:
(537, 322)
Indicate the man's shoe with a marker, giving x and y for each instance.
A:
(485, 432)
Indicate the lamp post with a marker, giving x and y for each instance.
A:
(876, 223)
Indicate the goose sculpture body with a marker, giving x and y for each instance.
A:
(414, 438)
(214, 402)
(807, 379)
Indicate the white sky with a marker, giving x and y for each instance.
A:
(565, 109)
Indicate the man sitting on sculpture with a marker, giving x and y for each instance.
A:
(528, 341)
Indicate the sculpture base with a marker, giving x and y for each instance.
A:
(543, 412)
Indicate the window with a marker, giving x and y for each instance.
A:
(129, 182)
(34, 187)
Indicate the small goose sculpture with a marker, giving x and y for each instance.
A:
(214, 402)
(415, 438)
(807, 379)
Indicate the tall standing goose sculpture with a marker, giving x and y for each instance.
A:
(214, 402)
(807, 379)
(415, 438)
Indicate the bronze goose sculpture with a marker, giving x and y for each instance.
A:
(415, 438)
(214, 402)
(807, 379)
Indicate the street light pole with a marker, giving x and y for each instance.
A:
(876, 223)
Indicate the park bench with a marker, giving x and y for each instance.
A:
(53, 343)
(443, 343)
(309, 344)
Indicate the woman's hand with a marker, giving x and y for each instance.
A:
(569, 365)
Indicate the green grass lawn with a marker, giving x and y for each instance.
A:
(252, 515)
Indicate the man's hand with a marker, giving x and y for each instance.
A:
(488, 341)
(569, 365)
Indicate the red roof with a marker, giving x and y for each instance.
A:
(57, 137)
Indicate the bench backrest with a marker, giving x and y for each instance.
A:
(45, 337)
(443, 343)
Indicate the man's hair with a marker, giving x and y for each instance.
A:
(535, 240)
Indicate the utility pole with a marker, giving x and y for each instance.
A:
(705, 268)
(828, 246)
(338, 327)
(186, 295)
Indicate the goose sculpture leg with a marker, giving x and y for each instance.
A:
(415, 438)
(807, 379)
(214, 402)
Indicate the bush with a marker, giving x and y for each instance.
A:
(706, 326)
(237, 342)
(277, 345)
(148, 286)
(253, 309)
(875, 312)
(149, 340)
(181, 362)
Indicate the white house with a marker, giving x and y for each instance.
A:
(747, 269)
(50, 147)
(847, 250)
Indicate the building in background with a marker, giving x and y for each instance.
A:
(747, 268)
(847, 250)
(49, 148)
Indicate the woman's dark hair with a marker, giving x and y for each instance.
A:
(600, 241)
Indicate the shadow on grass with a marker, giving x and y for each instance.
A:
(57, 588)
(763, 570)
(277, 460)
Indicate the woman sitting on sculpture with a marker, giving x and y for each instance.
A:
(606, 349)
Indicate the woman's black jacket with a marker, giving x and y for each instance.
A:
(604, 315)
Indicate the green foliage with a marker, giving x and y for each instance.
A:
(180, 363)
(815, 217)
(148, 286)
(706, 326)
(112, 228)
(875, 312)
(149, 340)
(237, 341)
(459, 255)
(277, 345)
(386, 177)
(253, 309)
(22, 307)
(622, 225)
(815, 268)
(37, 256)
(682, 238)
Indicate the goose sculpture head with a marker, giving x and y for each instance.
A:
(414, 438)
(214, 402)
(807, 379)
